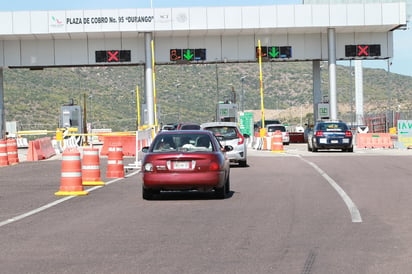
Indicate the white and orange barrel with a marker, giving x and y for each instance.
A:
(91, 167)
(115, 166)
(71, 175)
(12, 154)
(3, 153)
(277, 142)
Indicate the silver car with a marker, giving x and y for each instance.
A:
(228, 133)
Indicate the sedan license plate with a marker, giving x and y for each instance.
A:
(334, 141)
(322, 140)
(181, 165)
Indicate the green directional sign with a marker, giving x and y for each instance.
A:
(274, 52)
(188, 54)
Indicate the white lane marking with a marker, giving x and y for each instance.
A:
(353, 210)
(49, 205)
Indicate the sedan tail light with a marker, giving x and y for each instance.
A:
(319, 134)
(241, 138)
(348, 133)
(214, 166)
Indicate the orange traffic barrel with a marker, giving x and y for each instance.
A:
(277, 142)
(3, 153)
(71, 177)
(12, 154)
(115, 167)
(91, 167)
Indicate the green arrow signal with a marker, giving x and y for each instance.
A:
(188, 55)
(274, 52)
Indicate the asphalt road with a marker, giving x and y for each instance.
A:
(291, 212)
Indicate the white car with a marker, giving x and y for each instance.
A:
(285, 135)
(228, 133)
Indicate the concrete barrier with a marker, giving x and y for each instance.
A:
(374, 140)
(40, 149)
(128, 143)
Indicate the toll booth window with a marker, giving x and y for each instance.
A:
(75, 121)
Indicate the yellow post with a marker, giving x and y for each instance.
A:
(137, 107)
(154, 85)
(85, 142)
(262, 105)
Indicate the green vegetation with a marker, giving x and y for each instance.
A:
(34, 98)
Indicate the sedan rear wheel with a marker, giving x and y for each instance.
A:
(228, 185)
(350, 149)
(221, 192)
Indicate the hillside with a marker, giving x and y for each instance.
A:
(33, 98)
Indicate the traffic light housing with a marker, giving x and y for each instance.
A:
(363, 50)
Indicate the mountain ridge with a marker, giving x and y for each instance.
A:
(33, 98)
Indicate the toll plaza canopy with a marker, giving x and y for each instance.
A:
(316, 32)
(210, 34)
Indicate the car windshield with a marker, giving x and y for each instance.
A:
(332, 127)
(190, 142)
(274, 128)
(225, 132)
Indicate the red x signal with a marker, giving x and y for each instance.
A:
(113, 56)
(363, 50)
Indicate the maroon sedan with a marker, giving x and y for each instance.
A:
(185, 160)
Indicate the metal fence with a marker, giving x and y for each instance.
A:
(382, 122)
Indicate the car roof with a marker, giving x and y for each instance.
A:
(219, 124)
(190, 131)
(275, 125)
(187, 123)
(330, 121)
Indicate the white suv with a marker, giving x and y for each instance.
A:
(228, 133)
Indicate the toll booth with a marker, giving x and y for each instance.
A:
(71, 117)
(226, 112)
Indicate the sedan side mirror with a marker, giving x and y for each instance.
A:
(227, 148)
(145, 149)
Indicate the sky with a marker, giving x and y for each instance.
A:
(400, 63)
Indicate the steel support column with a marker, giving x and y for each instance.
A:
(2, 118)
(332, 74)
(359, 92)
(149, 79)
(317, 92)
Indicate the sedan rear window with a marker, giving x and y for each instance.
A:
(190, 127)
(274, 128)
(226, 133)
(182, 142)
(332, 127)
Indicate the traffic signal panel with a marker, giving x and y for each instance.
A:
(112, 56)
(187, 55)
(362, 50)
(274, 52)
